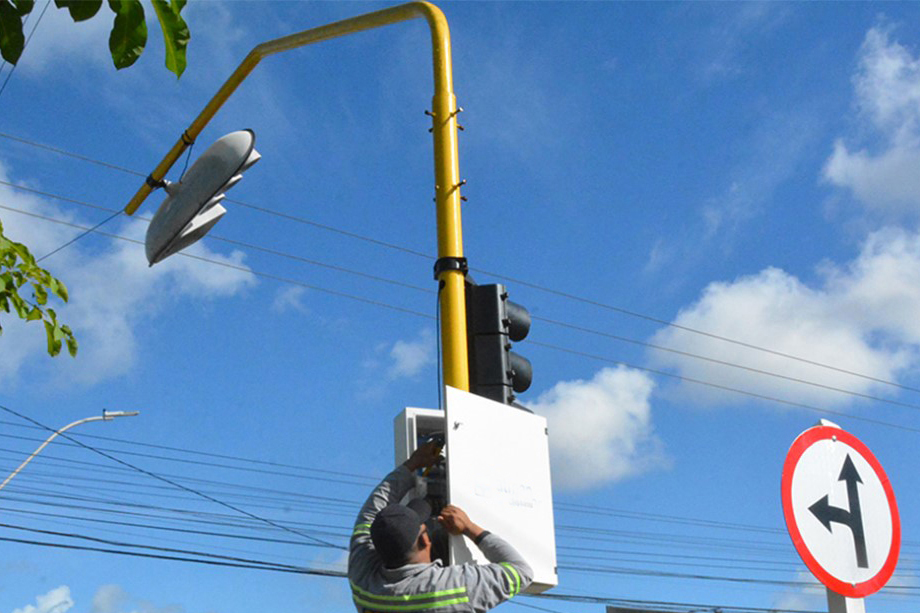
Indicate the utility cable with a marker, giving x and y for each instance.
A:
(522, 282)
(697, 356)
(236, 267)
(417, 288)
(169, 481)
(81, 235)
(221, 456)
(313, 262)
(726, 388)
(9, 75)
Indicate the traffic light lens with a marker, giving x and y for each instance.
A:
(522, 372)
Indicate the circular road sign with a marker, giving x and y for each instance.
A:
(840, 511)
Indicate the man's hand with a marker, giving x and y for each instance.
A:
(456, 521)
(423, 457)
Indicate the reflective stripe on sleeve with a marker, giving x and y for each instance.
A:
(514, 579)
(409, 602)
(361, 529)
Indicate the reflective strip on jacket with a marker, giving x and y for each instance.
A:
(420, 588)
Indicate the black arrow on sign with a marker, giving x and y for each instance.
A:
(852, 518)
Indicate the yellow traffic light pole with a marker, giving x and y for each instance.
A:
(450, 273)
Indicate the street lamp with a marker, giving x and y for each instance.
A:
(450, 268)
(106, 416)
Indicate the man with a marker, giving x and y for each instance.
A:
(390, 567)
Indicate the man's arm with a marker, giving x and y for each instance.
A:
(393, 487)
(489, 584)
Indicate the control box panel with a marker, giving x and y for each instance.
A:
(496, 469)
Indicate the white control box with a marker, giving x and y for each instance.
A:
(497, 471)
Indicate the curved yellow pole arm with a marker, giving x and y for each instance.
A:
(446, 158)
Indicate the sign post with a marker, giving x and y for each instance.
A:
(841, 513)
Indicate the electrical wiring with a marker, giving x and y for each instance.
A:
(371, 480)
(244, 269)
(341, 575)
(751, 369)
(657, 604)
(9, 75)
(114, 543)
(537, 318)
(559, 506)
(378, 303)
(521, 282)
(725, 388)
(261, 566)
(198, 462)
(596, 510)
(166, 480)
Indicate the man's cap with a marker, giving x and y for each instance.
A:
(395, 530)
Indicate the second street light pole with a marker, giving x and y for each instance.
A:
(106, 416)
(451, 264)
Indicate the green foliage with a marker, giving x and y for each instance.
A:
(80, 10)
(129, 30)
(19, 272)
(175, 33)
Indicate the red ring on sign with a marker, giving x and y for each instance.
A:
(850, 590)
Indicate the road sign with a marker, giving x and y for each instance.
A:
(840, 511)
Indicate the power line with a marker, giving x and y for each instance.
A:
(522, 282)
(234, 267)
(165, 480)
(726, 388)
(570, 326)
(204, 453)
(532, 342)
(697, 356)
(368, 480)
(9, 75)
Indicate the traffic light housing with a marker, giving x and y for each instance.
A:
(492, 322)
(192, 206)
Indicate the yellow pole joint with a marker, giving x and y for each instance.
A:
(446, 159)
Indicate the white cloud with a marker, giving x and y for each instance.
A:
(56, 601)
(861, 317)
(108, 599)
(410, 357)
(600, 430)
(809, 597)
(288, 299)
(59, 42)
(113, 599)
(887, 85)
(112, 290)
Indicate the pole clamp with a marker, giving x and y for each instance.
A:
(450, 263)
(188, 140)
(154, 183)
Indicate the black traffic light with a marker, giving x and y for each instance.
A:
(492, 322)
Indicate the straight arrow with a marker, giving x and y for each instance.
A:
(825, 513)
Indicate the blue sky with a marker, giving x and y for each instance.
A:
(746, 170)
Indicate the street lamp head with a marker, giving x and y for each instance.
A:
(110, 415)
(192, 206)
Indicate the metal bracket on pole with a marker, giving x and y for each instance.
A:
(841, 604)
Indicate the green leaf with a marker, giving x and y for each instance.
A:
(80, 10)
(54, 347)
(58, 288)
(129, 32)
(72, 346)
(34, 315)
(23, 7)
(175, 33)
(11, 39)
(41, 294)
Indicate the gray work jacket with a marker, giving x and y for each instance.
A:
(420, 588)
